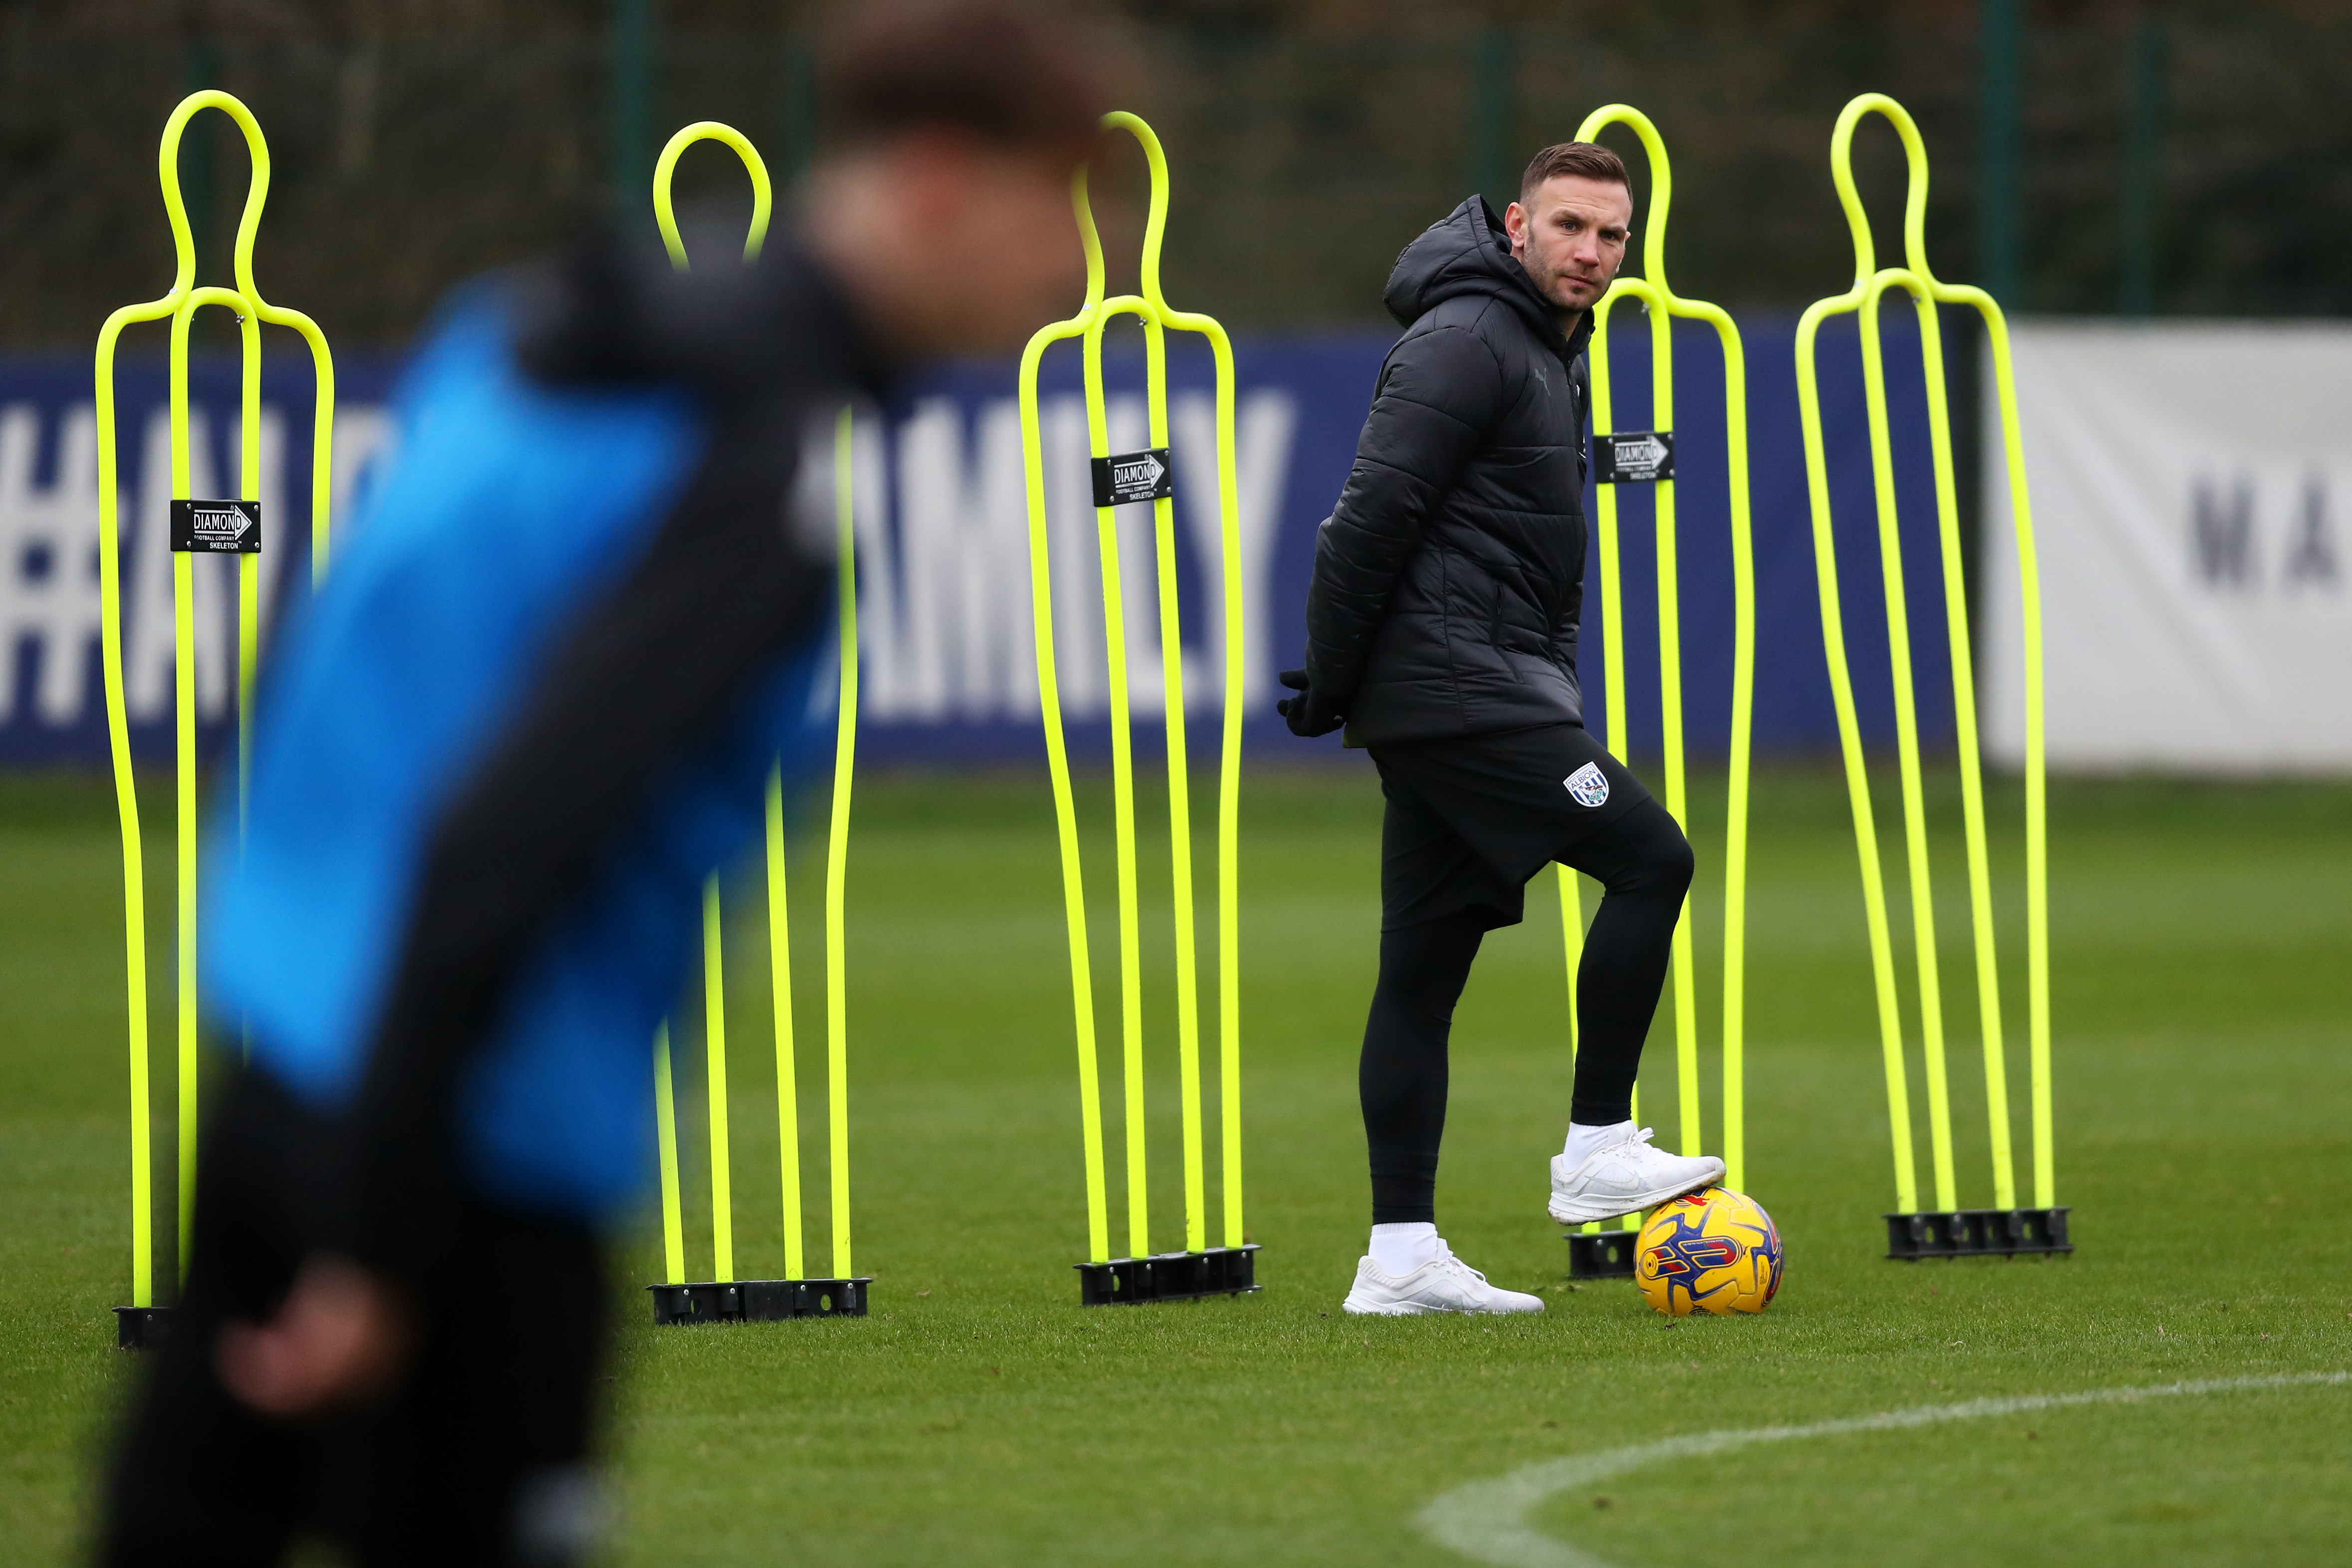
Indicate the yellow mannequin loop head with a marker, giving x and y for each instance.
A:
(1088, 237)
(1914, 200)
(1155, 225)
(257, 192)
(763, 195)
(1662, 184)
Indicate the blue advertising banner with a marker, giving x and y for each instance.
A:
(949, 662)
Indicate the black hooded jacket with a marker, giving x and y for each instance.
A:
(1449, 579)
(641, 681)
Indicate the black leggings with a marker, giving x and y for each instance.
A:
(1643, 863)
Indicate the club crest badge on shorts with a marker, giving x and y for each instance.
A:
(1587, 785)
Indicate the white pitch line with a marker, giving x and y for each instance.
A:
(1488, 1520)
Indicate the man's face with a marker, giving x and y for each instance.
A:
(1570, 233)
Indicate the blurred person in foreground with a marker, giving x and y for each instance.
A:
(1441, 629)
(534, 706)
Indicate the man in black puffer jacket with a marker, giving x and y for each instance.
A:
(1442, 631)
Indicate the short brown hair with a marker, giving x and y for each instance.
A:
(1578, 159)
(1019, 73)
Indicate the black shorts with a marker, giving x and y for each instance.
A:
(479, 1457)
(1470, 820)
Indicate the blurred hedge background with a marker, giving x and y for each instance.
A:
(2191, 158)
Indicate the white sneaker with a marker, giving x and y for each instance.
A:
(1444, 1284)
(1625, 1177)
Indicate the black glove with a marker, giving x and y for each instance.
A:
(1309, 713)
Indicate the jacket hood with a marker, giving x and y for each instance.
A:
(1466, 252)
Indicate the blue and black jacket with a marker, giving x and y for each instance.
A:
(533, 707)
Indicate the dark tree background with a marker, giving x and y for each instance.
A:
(417, 141)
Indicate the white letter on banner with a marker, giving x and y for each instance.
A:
(1000, 591)
(931, 505)
(816, 516)
(814, 512)
(1264, 425)
(147, 581)
(55, 528)
(1077, 570)
(965, 561)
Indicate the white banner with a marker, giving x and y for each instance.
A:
(2190, 485)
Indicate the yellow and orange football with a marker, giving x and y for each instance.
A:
(1712, 1250)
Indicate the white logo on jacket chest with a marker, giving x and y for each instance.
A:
(1587, 785)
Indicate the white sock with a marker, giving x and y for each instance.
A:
(1399, 1249)
(1583, 1142)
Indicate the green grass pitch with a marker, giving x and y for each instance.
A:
(2203, 962)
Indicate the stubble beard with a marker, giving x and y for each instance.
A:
(1561, 286)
